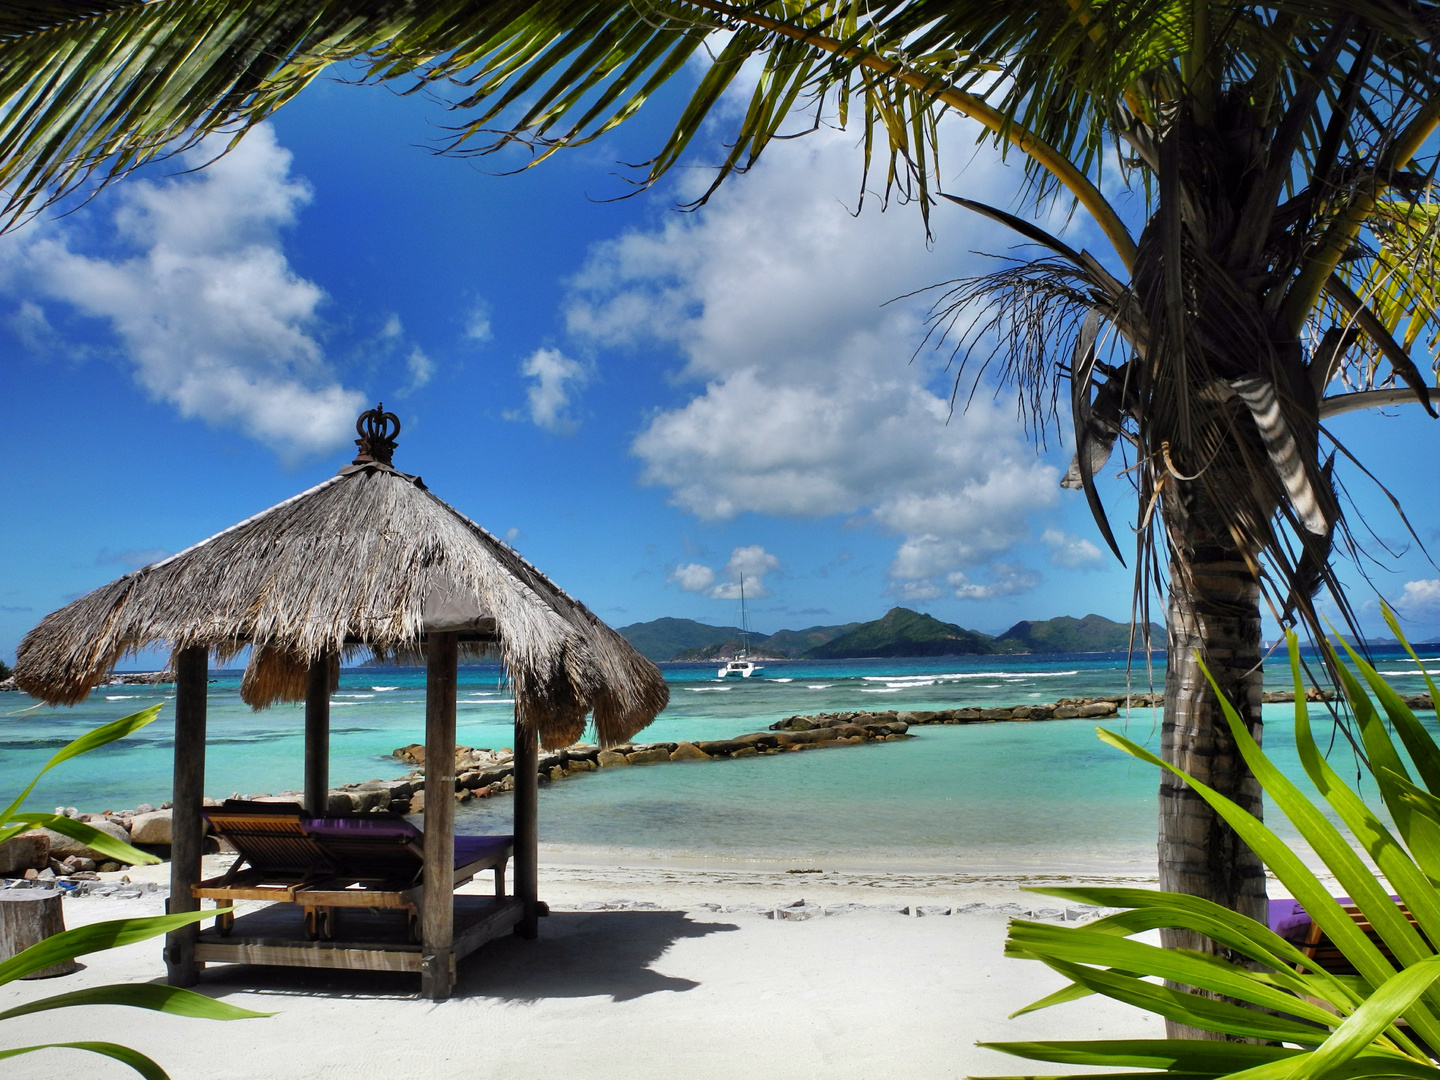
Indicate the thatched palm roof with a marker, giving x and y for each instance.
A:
(369, 560)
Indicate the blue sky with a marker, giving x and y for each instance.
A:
(646, 403)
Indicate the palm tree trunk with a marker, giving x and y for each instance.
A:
(1214, 615)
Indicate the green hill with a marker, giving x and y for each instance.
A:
(662, 639)
(783, 643)
(1093, 633)
(902, 632)
(799, 642)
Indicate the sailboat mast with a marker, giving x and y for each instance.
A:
(744, 622)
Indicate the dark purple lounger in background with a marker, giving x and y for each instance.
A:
(397, 830)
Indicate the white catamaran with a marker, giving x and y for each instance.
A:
(742, 666)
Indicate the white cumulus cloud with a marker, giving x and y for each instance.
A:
(1071, 552)
(1420, 601)
(556, 378)
(747, 565)
(692, 577)
(1006, 579)
(807, 402)
(204, 301)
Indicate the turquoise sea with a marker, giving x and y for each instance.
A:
(967, 797)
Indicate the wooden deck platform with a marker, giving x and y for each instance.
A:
(364, 940)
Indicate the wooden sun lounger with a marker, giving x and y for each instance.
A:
(372, 861)
(1328, 957)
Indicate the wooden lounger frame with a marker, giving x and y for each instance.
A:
(319, 893)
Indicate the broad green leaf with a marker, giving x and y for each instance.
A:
(1423, 752)
(1379, 1012)
(1391, 622)
(1182, 1055)
(94, 938)
(90, 836)
(1297, 877)
(1378, 746)
(1394, 862)
(1201, 1012)
(136, 1060)
(1292, 872)
(1076, 945)
(108, 733)
(155, 996)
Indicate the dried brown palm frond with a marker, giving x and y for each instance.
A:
(369, 560)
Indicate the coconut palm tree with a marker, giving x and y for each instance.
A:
(1281, 272)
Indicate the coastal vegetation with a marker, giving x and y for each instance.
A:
(1269, 257)
(899, 632)
(1303, 1019)
(65, 946)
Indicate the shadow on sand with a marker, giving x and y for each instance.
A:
(578, 954)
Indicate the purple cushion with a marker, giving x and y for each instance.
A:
(470, 848)
(1289, 919)
(362, 827)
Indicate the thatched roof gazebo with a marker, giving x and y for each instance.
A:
(367, 562)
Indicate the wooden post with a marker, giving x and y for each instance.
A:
(317, 736)
(192, 670)
(437, 912)
(28, 917)
(527, 855)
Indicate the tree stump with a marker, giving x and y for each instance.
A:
(27, 917)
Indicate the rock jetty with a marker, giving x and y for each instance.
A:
(482, 773)
(42, 855)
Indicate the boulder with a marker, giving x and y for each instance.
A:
(417, 802)
(62, 846)
(1098, 708)
(649, 757)
(688, 751)
(721, 746)
(580, 765)
(1066, 712)
(607, 758)
(996, 714)
(151, 828)
(745, 751)
(28, 851)
(414, 754)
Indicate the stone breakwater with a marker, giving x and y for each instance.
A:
(483, 773)
(43, 855)
(1082, 708)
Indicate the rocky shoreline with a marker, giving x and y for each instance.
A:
(44, 856)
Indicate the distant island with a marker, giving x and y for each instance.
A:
(899, 632)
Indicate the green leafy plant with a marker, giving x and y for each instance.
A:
(104, 935)
(1308, 1024)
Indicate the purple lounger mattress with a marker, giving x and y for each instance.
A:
(1292, 922)
(397, 830)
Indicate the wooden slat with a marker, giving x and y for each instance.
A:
(187, 830)
(496, 923)
(317, 954)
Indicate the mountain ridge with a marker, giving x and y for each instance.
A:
(899, 632)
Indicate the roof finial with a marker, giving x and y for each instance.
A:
(378, 431)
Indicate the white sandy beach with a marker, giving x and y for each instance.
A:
(683, 988)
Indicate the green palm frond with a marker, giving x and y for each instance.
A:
(1383, 1023)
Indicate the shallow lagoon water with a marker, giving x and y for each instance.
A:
(978, 795)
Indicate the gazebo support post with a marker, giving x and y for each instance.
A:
(317, 736)
(437, 914)
(192, 669)
(527, 856)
